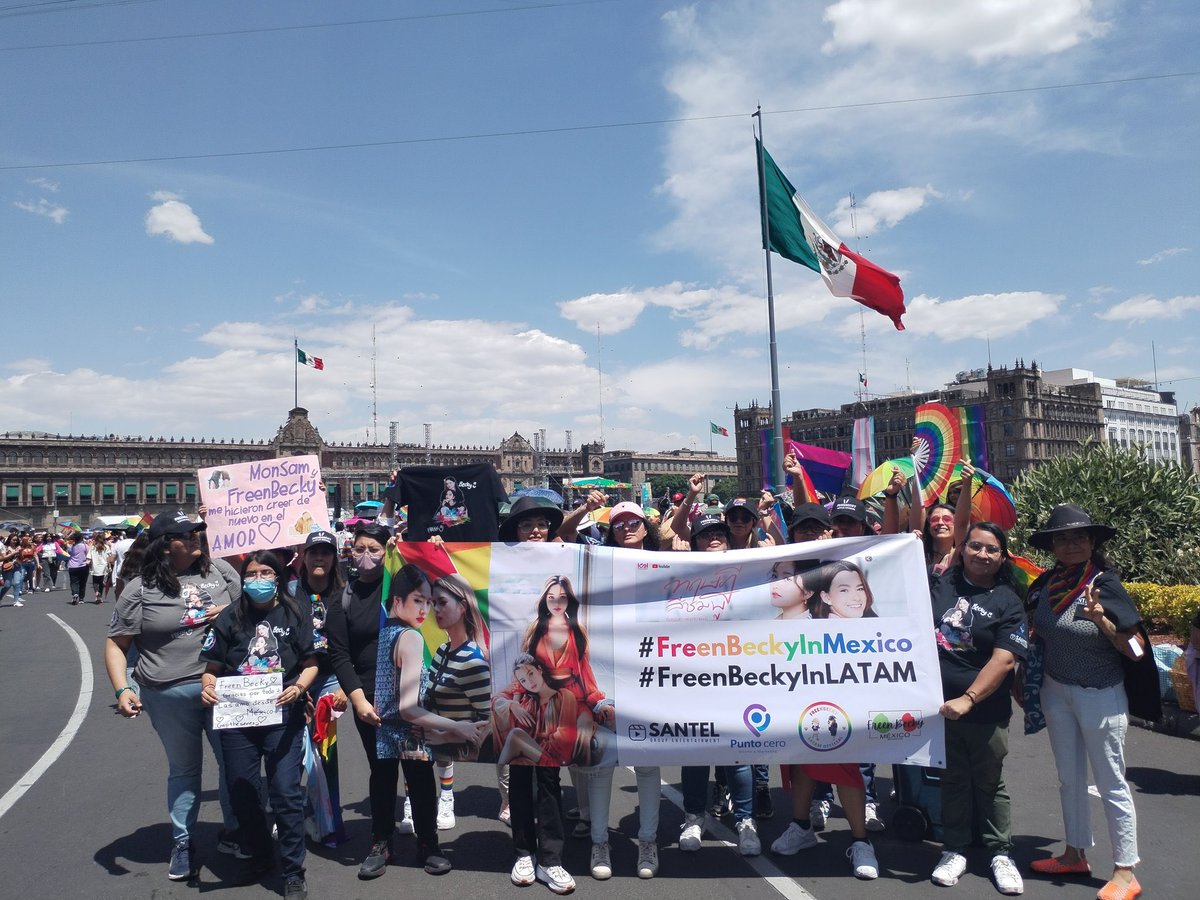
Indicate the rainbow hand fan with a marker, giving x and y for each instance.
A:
(939, 445)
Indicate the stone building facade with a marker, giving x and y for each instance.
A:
(1027, 420)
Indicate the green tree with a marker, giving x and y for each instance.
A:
(1155, 508)
(670, 484)
(726, 489)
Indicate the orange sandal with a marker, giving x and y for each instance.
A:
(1055, 866)
(1114, 890)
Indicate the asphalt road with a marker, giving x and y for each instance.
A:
(95, 825)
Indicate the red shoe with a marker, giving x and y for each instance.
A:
(1114, 890)
(1055, 866)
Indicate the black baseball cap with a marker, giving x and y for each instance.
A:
(321, 539)
(177, 522)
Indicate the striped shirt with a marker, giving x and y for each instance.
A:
(460, 683)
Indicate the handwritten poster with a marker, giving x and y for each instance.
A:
(260, 505)
(248, 701)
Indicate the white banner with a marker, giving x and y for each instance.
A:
(260, 505)
(807, 653)
(248, 701)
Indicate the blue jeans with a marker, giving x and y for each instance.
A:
(741, 790)
(15, 580)
(181, 721)
(280, 748)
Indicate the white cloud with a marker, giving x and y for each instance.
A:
(879, 209)
(45, 184)
(711, 315)
(1144, 307)
(1155, 258)
(982, 32)
(174, 219)
(977, 316)
(44, 208)
(1119, 347)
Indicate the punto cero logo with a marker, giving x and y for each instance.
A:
(824, 726)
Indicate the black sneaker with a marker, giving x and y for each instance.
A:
(377, 860)
(763, 807)
(431, 860)
(227, 843)
(721, 805)
(182, 868)
(296, 889)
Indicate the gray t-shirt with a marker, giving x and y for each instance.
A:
(168, 631)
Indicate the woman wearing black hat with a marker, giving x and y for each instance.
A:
(531, 519)
(165, 613)
(1087, 624)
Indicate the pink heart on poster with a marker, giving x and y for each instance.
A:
(269, 531)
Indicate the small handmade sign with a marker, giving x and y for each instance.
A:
(259, 505)
(248, 701)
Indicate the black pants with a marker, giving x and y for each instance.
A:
(385, 781)
(535, 800)
(279, 747)
(79, 579)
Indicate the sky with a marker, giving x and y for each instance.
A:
(522, 215)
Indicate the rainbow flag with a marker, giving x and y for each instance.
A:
(1024, 573)
(974, 435)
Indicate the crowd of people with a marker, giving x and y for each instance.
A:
(1063, 648)
(32, 560)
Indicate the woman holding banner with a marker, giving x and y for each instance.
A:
(980, 636)
(630, 530)
(164, 613)
(712, 535)
(352, 623)
(265, 632)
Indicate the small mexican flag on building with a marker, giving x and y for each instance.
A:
(304, 359)
(717, 429)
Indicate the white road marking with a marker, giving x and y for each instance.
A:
(55, 750)
(767, 870)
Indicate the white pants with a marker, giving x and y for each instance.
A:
(1088, 725)
(599, 780)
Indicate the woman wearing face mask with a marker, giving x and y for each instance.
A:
(164, 613)
(265, 632)
(352, 623)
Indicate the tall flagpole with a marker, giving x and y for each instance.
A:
(776, 414)
(295, 372)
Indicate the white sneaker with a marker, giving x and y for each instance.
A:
(647, 865)
(748, 842)
(874, 823)
(556, 878)
(406, 823)
(793, 840)
(601, 862)
(505, 815)
(949, 868)
(692, 833)
(18, 603)
(1005, 875)
(523, 872)
(818, 812)
(445, 816)
(862, 860)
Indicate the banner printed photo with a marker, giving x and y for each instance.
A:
(821, 652)
(264, 504)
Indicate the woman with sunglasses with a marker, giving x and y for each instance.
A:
(164, 613)
(265, 632)
(629, 530)
(980, 637)
(1087, 626)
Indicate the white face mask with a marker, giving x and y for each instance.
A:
(366, 562)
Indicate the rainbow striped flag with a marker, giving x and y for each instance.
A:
(974, 435)
(1024, 572)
